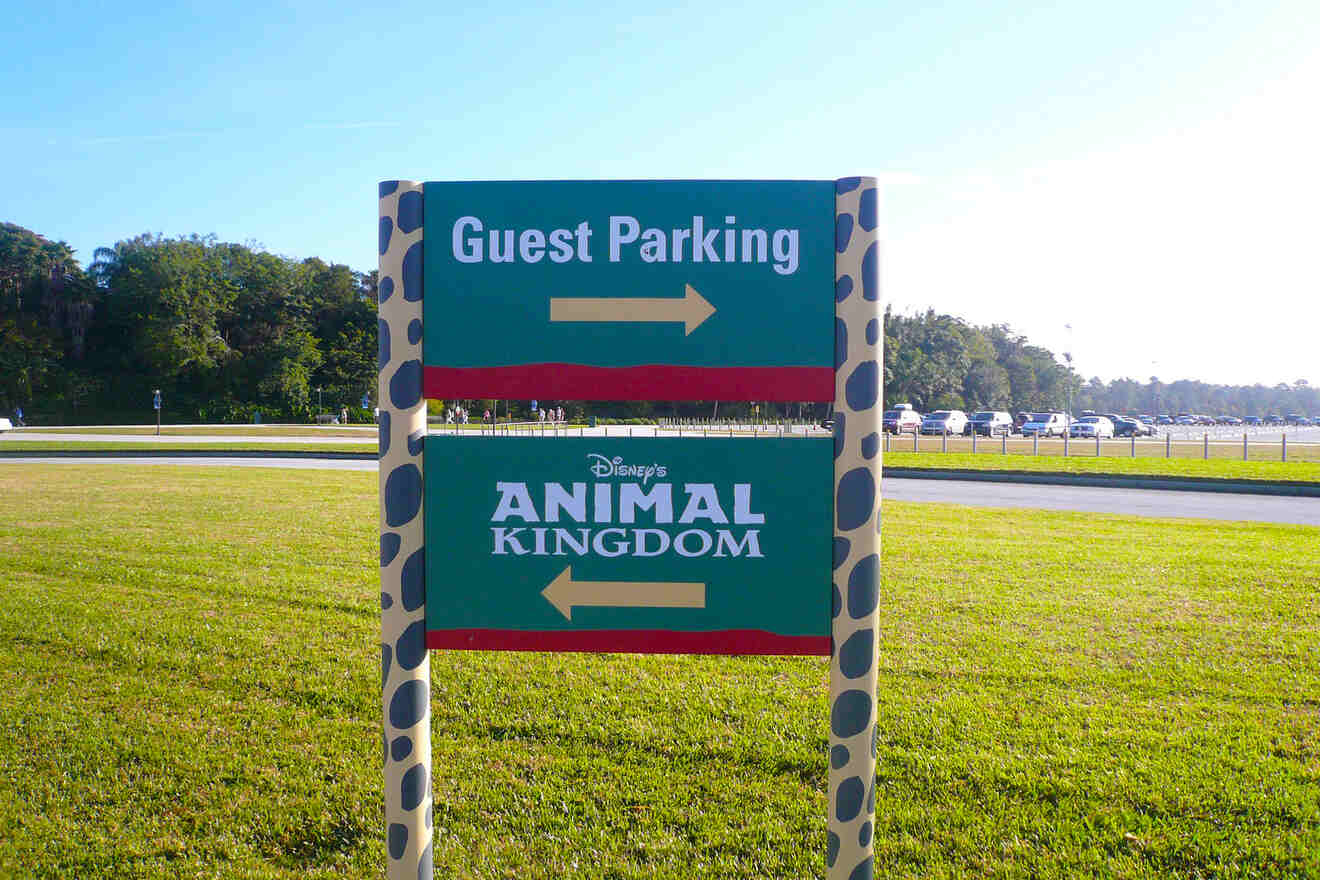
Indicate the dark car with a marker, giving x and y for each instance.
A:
(990, 424)
(1128, 426)
(1252, 420)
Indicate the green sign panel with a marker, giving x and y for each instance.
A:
(641, 290)
(700, 545)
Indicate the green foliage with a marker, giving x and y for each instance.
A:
(224, 329)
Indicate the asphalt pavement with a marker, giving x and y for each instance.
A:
(1132, 502)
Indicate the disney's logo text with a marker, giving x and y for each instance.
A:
(615, 467)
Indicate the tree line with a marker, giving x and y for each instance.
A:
(229, 332)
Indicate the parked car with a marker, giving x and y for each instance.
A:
(900, 421)
(944, 421)
(1088, 427)
(1164, 419)
(6, 425)
(990, 424)
(1046, 425)
(1252, 420)
(1129, 426)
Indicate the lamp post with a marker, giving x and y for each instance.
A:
(1067, 356)
(155, 404)
(319, 405)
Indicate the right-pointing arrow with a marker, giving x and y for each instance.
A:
(565, 593)
(692, 310)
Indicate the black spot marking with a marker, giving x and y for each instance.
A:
(403, 495)
(856, 654)
(848, 798)
(408, 705)
(856, 498)
(850, 714)
(412, 581)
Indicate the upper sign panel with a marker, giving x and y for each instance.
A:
(630, 290)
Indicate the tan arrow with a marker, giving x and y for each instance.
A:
(692, 309)
(565, 594)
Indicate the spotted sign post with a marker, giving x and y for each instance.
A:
(630, 290)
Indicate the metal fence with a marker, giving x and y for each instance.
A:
(1260, 445)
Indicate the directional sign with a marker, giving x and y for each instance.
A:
(704, 545)
(629, 290)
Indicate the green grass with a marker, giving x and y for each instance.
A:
(189, 687)
(179, 446)
(1296, 471)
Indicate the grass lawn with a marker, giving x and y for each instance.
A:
(189, 687)
(1297, 471)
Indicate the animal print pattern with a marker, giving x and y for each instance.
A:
(858, 360)
(404, 668)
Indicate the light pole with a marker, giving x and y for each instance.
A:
(319, 405)
(155, 404)
(1067, 356)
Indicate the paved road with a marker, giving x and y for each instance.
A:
(202, 460)
(367, 435)
(1134, 502)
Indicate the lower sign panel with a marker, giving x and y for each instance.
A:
(648, 545)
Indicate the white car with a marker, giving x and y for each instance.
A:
(944, 421)
(1088, 427)
(6, 425)
(1045, 425)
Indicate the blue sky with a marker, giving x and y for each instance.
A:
(1141, 171)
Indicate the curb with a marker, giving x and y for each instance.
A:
(1177, 484)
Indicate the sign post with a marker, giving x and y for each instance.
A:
(155, 404)
(632, 290)
(405, 669)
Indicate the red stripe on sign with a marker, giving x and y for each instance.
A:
(630, 641)
(650, 382)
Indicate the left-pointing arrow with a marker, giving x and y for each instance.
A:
(565, 594)
(692, 310)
